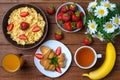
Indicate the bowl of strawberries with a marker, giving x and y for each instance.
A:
(70, 17)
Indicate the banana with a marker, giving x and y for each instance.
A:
(107, 65)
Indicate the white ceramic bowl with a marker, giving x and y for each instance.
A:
(79, 8)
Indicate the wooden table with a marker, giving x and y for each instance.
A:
(71, 40)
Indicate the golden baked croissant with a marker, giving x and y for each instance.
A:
(44, 49)
(61, 60)
(50, 60)
(46, 63)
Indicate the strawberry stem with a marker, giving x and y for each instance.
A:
(77, 13)
(73, 5)
(51, 8)
(59, 32)
(89, 37)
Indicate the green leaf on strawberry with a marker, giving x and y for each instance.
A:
(88, 40)
(77, 13)
(73, 25)
(58, 35)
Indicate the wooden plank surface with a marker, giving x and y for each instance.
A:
(71, 40)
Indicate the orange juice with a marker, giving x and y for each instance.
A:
(12, 62)
(85, 57)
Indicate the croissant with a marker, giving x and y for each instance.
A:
(51, 54)
(44, 49)
(50, 59)
(61, 60)
(46, 63)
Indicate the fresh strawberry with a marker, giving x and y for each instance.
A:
(65, 8)
(10, 27)
(24, 25)
(58, 69)
(36, 29)
(24, 14)
(79, 24)
(66, 17)
(60, 18)
(39, 56)
(50, 10)
(23, 37)
(70, 12)
(58, 50)
(88, 40)
(76, 16)
(68, 26)
(73, 7)
(58, 35)
(81, 15)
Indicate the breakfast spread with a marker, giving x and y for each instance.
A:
(51, 60)
(25, 25)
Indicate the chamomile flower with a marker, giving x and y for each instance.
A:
(104, 23)
(116, 21)
(92, 26)
(109, 27)
(101, 11)
(91, 6)
(99, 35)
(109, 5)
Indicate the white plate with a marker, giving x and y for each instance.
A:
(53, 44)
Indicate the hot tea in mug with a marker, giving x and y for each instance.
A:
(86, 57)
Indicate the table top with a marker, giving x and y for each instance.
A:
(71, 40)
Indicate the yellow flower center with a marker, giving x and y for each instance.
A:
(109, 26)
(93, 5)
(99, 36)
(116, 21)
(101, 11)
(107, 5)
(92, 26)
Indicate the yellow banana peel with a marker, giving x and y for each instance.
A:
(107, 65)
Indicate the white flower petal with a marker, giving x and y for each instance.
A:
(101, 11)
(91, 6)
(109, 27)
(92, 26)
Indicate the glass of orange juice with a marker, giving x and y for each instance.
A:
(12, 62)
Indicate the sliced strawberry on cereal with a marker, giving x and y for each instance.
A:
(36, 29)
(24, 14)
(24, 25)
(23, 37)
(10, 27)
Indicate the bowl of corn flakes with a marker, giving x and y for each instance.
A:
(25, 26)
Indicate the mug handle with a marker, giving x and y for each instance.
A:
(99, 55)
